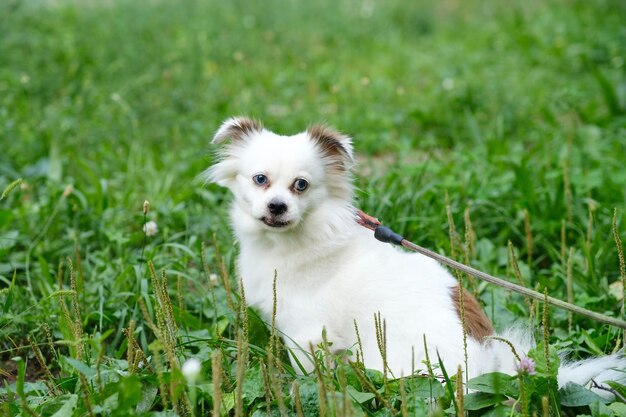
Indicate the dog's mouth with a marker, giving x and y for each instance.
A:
(274, 223)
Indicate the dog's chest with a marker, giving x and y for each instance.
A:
(303, 285)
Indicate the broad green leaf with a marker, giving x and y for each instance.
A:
(258, 334)
(67, 409)
(309, 397)
(253, 384)
(574, 395)
(425, 387)
(80, 367)
(618, 408)
(148, 395)
(598, 409)
(385, 412)
(591, 343)
(351, 377)
(495, 383)
(499, 410)
(376, 377)
(359, 397)
(418, 406)
(130, 392)
(228, 402)
(479, 400)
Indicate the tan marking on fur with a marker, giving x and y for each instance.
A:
(477, 325)
(250, 125)
(242, 128)
(329, 142)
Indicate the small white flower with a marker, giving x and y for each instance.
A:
(191, 370)
(150, 228)
(213, 278)
(448, 84)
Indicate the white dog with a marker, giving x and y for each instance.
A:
(293, 216)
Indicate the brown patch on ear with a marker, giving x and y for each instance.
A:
(237, 128)
(477, 325)
(331, 143)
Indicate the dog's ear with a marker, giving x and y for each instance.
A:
(237, 128)
(222, 173)
(335, 147)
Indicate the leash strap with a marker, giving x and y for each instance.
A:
(386, 235)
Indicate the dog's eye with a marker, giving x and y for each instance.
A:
(300, 185)
(260, 179)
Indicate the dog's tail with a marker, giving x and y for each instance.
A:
(599, 369)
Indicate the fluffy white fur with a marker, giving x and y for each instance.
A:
(331, 271)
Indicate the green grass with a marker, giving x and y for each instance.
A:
(505, 108)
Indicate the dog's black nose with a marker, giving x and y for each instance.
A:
(277, 207)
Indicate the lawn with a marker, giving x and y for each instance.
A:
(492, 132)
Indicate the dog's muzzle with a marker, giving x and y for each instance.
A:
(273, 222)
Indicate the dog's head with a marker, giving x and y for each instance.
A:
(278, 180)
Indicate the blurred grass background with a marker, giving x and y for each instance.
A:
(506, 108)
